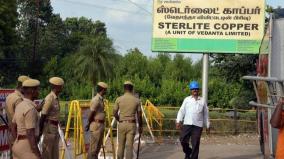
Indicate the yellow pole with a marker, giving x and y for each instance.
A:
(110, 129)
(149, 114)
(67, 127)
(75, 130)
(80, 125)
(82, 136)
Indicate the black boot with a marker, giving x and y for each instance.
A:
(187, 156)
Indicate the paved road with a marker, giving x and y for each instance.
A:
(210, 151)
(212, 147)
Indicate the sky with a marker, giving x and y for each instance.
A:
(128, 22)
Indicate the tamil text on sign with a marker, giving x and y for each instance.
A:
(218, 26)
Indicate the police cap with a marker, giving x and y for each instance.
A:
(23, 78)
(103, 85)
(31, 83)
(128, 83)
(56, 81)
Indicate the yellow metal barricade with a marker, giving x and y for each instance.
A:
(79, 137)
(109, 125)
(154, 115)
(75, 123)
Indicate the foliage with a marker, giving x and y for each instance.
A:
(8, 40)
(226, 88)
(278, 12)
(39, 43)
(94, 59)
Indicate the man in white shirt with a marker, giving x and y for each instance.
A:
(194, 114)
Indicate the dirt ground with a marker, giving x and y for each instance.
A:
(212, 147)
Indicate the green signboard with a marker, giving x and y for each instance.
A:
(208, 26)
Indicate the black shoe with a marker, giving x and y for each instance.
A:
(190, 151)
(187, 156)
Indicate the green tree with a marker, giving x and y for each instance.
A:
(8, 41)
(226, 84)
(133, 63)
(180, 68)
(34, 18)
(157, 67)
(233, 67)
(172, 92)
(221, 93)
(155, 70)
(278, 12)
(94, 60)
(79, 28)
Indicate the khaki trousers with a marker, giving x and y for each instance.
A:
(50, 144)
(126, 133)
(22, 150)
(96, 139)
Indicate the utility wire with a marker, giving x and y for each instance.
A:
(126, 1)
(101, 7)
(137, 5)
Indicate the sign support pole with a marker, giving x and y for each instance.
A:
(205, 77)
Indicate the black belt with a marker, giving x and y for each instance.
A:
(22, 137)
(99, 121)
(53, 122)
(127, 121)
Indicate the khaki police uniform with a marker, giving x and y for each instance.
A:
(50, 145)
(97, 126)
(128, 105)
(25, 117)
(12, 100)
(51, 108)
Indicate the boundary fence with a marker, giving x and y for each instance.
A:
(223, 121)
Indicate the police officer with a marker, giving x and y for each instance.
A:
(50, 119)
(194, 114)
(25, 123)
(96, 121)
(12, 100)
(125, 109)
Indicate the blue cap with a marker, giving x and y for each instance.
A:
(193, 85)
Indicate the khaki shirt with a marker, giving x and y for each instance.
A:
(26, 117)
(51, 107)
(128, 105)
(97, 105)
(12, 100)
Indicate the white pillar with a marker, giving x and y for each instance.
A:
(205, 77)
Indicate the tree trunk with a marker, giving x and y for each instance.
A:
(94, 88)
(93, 91)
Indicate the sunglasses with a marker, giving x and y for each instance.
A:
(195, 89)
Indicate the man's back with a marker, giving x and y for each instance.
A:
(12, 101)
(25, 117)
(128, 105)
